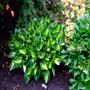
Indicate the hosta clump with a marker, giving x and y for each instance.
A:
(36, 49)
(77, 55)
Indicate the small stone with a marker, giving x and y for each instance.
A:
(44, 86)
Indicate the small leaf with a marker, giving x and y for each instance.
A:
(46, 32)
(76, 73)
(29, 71)
(50, 65)
(58, 47)
(87, 79)
(57, 61)
(23, 51)
(53, 71)
(35, 70)
(73, 86)
(16, 63)
(72, 80)
(12, 54)
(33, 54)
(58, 29)
(44, 66)
(48, 43)
(26, 78)
(24, 68)
(47, 76)
(41, 55)
(69, 61)
(37, 76)
(21, 37)
(17, 44)
(48, 56)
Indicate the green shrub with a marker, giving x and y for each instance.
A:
(36, 49)
(38, 8)
(31, 9)
(57, 7)
(77, 55)
(88, 6)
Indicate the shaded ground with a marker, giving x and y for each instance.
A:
(15, 81)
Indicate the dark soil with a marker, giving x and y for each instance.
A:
(15, 81)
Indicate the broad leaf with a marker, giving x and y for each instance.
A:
(46, 76)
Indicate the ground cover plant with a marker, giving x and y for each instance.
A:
(36, 49)
(77, 55)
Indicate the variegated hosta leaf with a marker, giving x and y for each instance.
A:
(39, 46)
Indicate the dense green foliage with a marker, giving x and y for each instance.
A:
(31, 9)
(36, 49)
(88, 6)
(77, 55)
(38, 8)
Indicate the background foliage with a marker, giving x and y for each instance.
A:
(38, 8)
(77, 55)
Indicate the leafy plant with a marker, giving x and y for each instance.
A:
(77, 55)
(88, 6)
(31, 9)
(36, 48)
(38, 8)
(57, 7)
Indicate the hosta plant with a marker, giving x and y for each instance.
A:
(36, 48)
(77, 55)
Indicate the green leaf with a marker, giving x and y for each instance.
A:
(35, 70)
(69, 61)
(39, 46)
(46, 32)
(17, 63)
(72, 80)
(48, 56)
(43, 66)
(24, 68)
(87, 79)
(33, 54)
(48, 43)
(41, 55)
(21, 37)
(57, 61)
(53, 42)
(29, 71)
(50, 64)
(17, 44)
(12, 54)
(53, 71)
(26, 78)
(58, 29)
(47, 76)
(28, 41)
(58, 47)
(76, 73)
(37, 74)
(73, 87)
(36, 77)
(23, 51)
